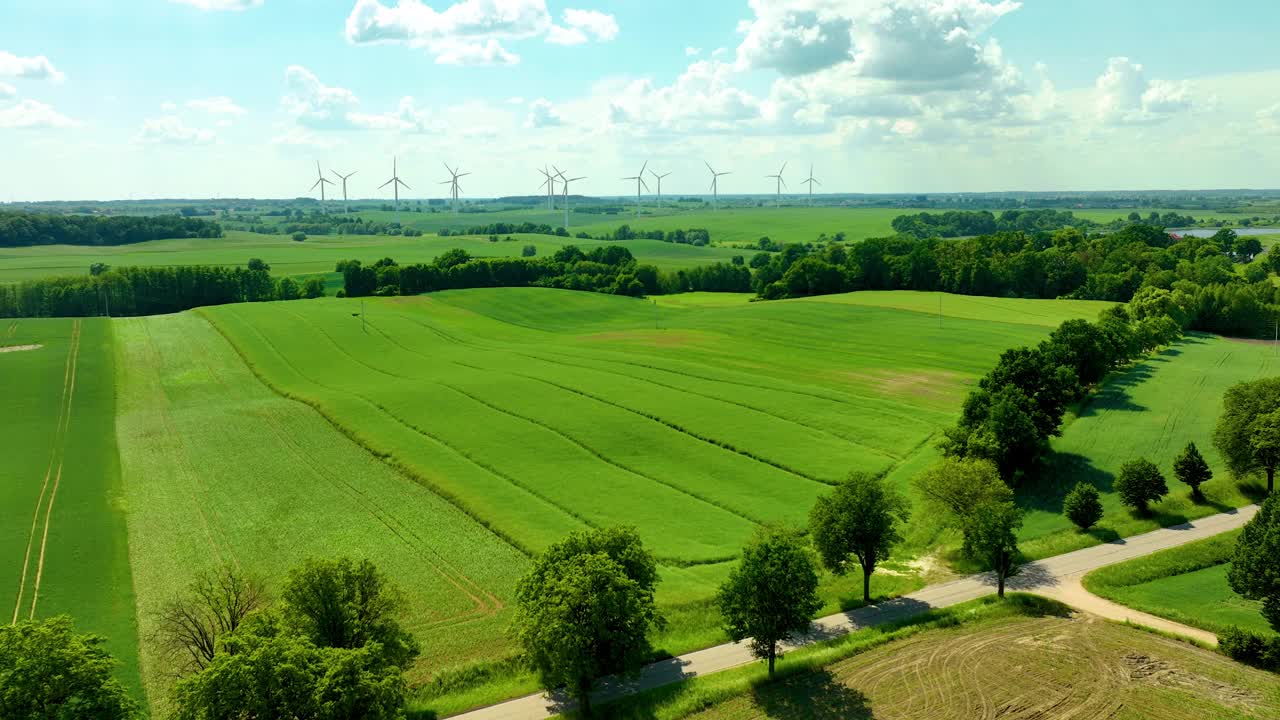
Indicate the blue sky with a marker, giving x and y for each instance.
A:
(182, 98)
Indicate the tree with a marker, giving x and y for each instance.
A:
(773, 593)
(529, 251)
(215, 604)
(585, 607)
(859, 518)
(991, 537)
(313, 287)
(267, 671)
(288, 289)
(1238, 437)
(953, 487)
(343, 603)
(1255, 566)
(49, 672)
(1140, 483)
(98, 268)
(1082, 506)
(1264, 440)
(300, 236)
(1189, 467)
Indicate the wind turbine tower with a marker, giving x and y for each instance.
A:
(321, 182)
(639, 178)
(781, 183)
(564, 183)
(810, 183)
(345, 208)
(550, 184)
(454, 188)
(395, 182)
(659, 177)
(715, 185)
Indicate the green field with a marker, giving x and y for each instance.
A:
(219, 468)
(63, 546)
(1186, 584)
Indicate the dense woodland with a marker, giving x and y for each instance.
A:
(21, 229)
(967, 223)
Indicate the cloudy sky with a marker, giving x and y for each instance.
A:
(202, 98)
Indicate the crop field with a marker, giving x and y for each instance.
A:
(219, 469)
(1020, 669)
(63, 545)
(1187, 584)
(1153, 410)
(757, 408)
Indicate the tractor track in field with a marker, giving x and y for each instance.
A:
(57, 454)
(12, 329)
(484, 602)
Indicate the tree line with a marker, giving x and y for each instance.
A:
(1199, 273)
(22, 229)
(964, 223)
(607, 268)
(130, 291)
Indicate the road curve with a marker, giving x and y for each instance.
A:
(1052, 576)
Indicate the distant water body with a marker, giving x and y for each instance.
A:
(1209, 232)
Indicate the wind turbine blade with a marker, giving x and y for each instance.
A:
(446, 182)
(386, 183)
(727, 172)
(784, 168)
(817, 181)
(642, 167)
(644, 184)
(335, 172)
(403, 183)
(313, 187)
(713, 186)
(713, 170)
(462, 174)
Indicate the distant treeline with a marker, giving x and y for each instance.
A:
(608, 269)
(504, 228)
(22, 229)
(130, 291)
(966, 223)
(1199, 272)
(692, 236)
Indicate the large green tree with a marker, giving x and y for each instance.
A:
(1246, 441)
(859, 519)
(953, 487)
(585, 608)
(992, 539)
(773, 593)
(50, 672)
(1255, 567)
(344, 603)
(1140, 483)
(1190, 468)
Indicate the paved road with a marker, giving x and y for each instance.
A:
(1050, 576)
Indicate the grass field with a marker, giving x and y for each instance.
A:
(1011, 667)
(1187, 584)
(63, 545)
(221, 469)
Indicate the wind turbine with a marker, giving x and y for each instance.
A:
(639, 178)
(564, 183)
(550, 184)
(453, 183)
(345, 208)
(321, 182)
(781, 183)
(810, 183)
(659, 184)
(395, 182)
(715, 181)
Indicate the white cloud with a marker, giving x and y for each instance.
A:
(406, 118)
(219, 5)
(470, 31)
(795, 36)
(170, 129)
(542, 114)
(221, 105)
(692, 51)
(30, 114)
(28, 68)
(515, 100)
(702, 99)
(314, 104)
(1124, 95)
(7, 91)
(1269, 119)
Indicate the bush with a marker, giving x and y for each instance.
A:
(1082, 506)
(529, 251)
(313, 287)
(299, 236)
(1250, 648)
(1140, 483)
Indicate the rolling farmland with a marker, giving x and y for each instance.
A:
(63, 546)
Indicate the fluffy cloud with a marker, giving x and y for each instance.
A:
(470, 31)
(1124, 95)
(406, 118)
(795, 36)
(235, 5)
(28, 68)
(7, 91)
(314, 104)
(217, 106)
(702, 99)
(542, 114)
(169, 129)
(30, 114)
(692, 51)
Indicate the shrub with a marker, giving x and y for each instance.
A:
(1190, 468)
(1250, 648)
(1082, 506)
(299, 236)
(1140, 483)
(529, 251)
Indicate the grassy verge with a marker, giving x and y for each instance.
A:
(1186, 584)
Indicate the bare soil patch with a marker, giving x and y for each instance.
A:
(19, 348)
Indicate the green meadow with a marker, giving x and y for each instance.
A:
(63, 545)
(1187, 584)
